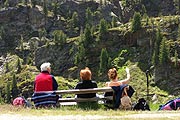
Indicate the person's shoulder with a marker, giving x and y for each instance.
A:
(78, 85)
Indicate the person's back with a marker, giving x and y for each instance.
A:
(117, 86)
(44, 81)
(86, 83)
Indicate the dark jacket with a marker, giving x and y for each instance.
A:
(86, 84)
(45, 82)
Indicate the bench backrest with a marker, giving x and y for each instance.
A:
(80, 91)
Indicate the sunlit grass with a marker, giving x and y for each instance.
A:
(73, 111)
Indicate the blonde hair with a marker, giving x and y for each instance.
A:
(112, 73)
(85, 74)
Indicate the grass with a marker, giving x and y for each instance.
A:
(74, 111)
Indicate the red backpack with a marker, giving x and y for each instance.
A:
(19, 101)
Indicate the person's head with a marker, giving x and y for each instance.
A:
(85, 74)
(46, 67)
(112, 73)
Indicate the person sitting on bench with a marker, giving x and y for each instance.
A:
(86, 83)
(44, 81)
(119, 86)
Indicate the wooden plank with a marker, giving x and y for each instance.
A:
(68, 103)
(84, 91)
(80, 91)
(84, 99)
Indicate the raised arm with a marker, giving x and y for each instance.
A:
(126, 81)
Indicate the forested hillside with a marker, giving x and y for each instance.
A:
(143, 35)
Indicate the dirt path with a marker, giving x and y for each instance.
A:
(145, 116)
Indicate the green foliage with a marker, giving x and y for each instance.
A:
(176, 59)
(18, 65)
(178, 37)
(113, 22)
(33, 2)
(121, 59)
(59, 37)
(75, 19)
(163, 55)
(89, 16)
(80, 56)
(88, 38)
(42, 33)
(55, 9)
(2, 33)
(45, 10)
(73, 23)
(155, 57)
(8, 93)
(103, 27)
(136, 22)
(1, 99)
(104, 57)
(7, 67)
(177, 5)
(14, 90)
(6, 3)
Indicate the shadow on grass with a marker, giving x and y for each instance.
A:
(89, 106)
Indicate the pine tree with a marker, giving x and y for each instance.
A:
(102, 29)
(14, 90)
(18, 65)
(178, 37)
(6, 3)
(155, 57)
(59, 37)
(176, 59)
(80, 55)
(33, 2)
(75, 19)
(55, 9)
(8, 93)
(45, 10)
(42, 33)
(113, 22)
(87, 36)
(1, 99)
(89, 16)
(103, 60)
(136, 22)
(7, 67)
(2, 33)
(163, 55)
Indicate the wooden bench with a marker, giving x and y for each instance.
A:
(74, 100)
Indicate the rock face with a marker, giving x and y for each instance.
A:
(165, 7)
(17, 22)
(167, 78)
(61, 58)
